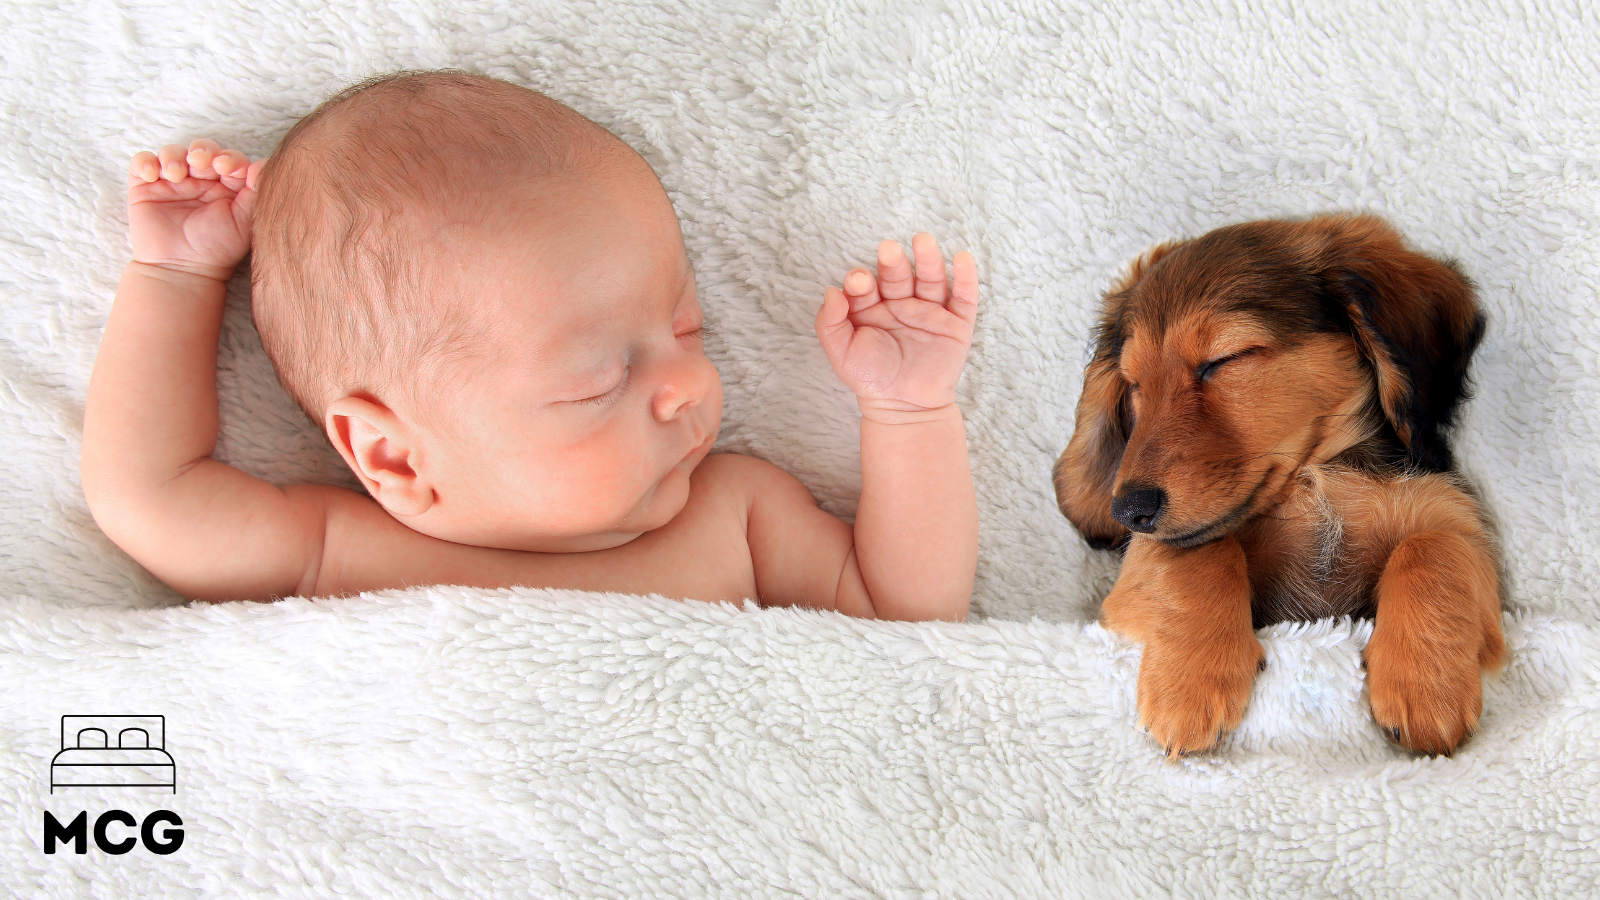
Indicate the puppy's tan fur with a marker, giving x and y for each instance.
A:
(1288, 387)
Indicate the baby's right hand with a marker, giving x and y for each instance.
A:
(189, 210)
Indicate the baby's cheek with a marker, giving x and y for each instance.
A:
(603, 480)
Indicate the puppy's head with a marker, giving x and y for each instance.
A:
(1225, 364)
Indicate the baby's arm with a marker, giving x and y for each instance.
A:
(150, 423)
(900, 343)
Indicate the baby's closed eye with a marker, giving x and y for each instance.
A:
(619, 385)
(610, 394)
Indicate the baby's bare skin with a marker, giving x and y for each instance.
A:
(581, 460)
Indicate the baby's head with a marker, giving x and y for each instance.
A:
(483, 298)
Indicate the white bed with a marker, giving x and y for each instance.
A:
(448, 741)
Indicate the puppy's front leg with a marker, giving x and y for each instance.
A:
(1191, 609)
(1437, 628)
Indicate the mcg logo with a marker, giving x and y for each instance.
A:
(135, 758)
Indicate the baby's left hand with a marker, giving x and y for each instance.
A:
(900, 340)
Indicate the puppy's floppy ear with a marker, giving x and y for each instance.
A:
(1416, 322)
(1086, 471)
(1136, 271)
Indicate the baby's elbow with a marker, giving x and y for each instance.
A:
(955, 599)
(116, 499)
(132, 520)
(94, 489)
(124, 523)
(947, 610)
(901, 597)
(922, 606)
(111, 506)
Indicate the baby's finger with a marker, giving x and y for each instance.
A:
(964, 290)
(144, 167)
(252, 177)
(202, 154)
(174, 167)
(930, 268)
(231, 166)
(230, 162)
(894, 271)
(245, 198)
(860, 289)
(833, 323)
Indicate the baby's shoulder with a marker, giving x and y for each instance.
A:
(747, 475)
(751, 485)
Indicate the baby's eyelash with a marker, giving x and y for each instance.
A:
(611, 395)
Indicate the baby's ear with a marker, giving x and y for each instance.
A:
(381, 449)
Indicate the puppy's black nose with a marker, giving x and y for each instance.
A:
(1139, 507)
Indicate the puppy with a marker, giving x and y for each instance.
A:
(1263, 427)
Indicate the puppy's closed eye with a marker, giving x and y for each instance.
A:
(1205, 370)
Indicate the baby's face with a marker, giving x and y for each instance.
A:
(578, 429)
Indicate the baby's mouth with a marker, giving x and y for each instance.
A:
(701, 447)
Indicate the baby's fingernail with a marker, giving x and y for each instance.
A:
(858, 282)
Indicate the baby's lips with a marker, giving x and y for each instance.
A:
(700, 445)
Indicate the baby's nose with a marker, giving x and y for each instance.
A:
(685, 385)
(670, 402)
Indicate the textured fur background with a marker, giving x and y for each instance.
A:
(556, 742)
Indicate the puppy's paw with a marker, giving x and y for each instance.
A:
(1425, 696)
(1191, 693)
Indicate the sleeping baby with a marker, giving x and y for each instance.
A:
(484, 300)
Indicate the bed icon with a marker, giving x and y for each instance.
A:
(113, 751)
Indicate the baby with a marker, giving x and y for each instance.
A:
(484, 299)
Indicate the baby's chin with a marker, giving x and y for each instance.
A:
(584, 543)
(600, 538)
(665, 501)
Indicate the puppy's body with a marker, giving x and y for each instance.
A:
(1321, 550)
(1267, 411)
(1305, 560)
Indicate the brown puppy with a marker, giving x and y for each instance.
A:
(1266, 411)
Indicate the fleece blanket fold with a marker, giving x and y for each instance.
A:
(547, 742)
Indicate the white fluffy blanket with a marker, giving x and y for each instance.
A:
(551, 742)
